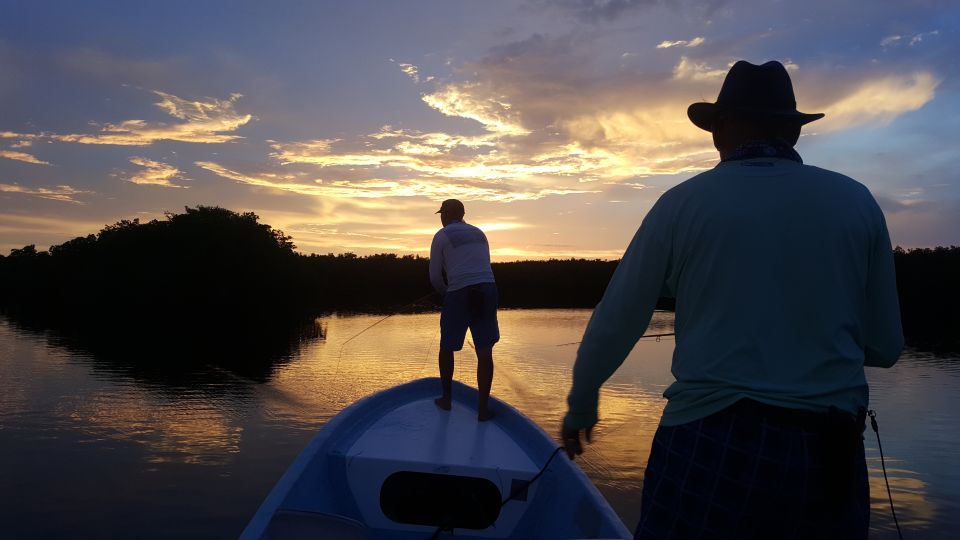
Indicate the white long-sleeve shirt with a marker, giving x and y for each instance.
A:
(462, 251)
(784, 280)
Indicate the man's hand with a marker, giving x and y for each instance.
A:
(571, 440)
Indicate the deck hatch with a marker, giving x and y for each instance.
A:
(440, 500)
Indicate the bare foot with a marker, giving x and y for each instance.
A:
(443, 403)
(484, 415)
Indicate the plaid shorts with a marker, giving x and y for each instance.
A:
(757, 471)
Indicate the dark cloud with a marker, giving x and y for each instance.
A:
(891, 206)
(117, 69)
(595, 11)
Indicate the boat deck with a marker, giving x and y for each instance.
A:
(420, 432)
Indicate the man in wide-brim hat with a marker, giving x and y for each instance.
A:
(784, 285)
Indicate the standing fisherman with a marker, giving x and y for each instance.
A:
(461, 251)
(784, 283)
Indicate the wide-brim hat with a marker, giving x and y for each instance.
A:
(753, 91)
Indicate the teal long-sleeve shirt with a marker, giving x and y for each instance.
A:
(785, 289)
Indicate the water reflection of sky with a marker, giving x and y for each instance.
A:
(533, 362)
(209, 448)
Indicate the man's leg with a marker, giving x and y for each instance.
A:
(454, 320)
(484, 382)
(486, 333)
(446, 379)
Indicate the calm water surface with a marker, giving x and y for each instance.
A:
(90, 448)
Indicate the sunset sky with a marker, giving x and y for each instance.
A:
(557, 122)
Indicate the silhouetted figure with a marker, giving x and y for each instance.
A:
(784, 283)
(461, 251)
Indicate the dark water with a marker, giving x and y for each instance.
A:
(96, 448)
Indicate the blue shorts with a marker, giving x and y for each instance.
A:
(474, 307)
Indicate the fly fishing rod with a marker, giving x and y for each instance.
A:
(645, 336)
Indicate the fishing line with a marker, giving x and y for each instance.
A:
(645, 336)
(426, 357)
(873, 424)
(336, 370)
(278, 393)
(411, 304)
(344, 344)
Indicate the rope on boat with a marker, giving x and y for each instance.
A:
(521, 488)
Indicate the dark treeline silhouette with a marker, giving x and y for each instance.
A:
(209, 284)
(215, 284)
(928, 283)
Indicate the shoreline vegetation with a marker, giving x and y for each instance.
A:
(211, 282)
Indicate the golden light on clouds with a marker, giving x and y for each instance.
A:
(155, 173)
(303, 151)
(203, 121)
(695, 42)
(437, 140)
(541, 252)
(319, 153)
(539, 119)
(58, 193)
(22, 156)
(623, 133)
(485, 226)
(464, 100)
(880, 99)
(657, 139)
(698, 71)
(44, 226)
(434, 189)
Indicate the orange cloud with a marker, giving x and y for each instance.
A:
(32, 225)
(155, 173)
(208, 121)
(493, 112)
(59, 193)
(695, 42)
(698, 71)
(880, 99)
(22, 156)
(376, 188)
